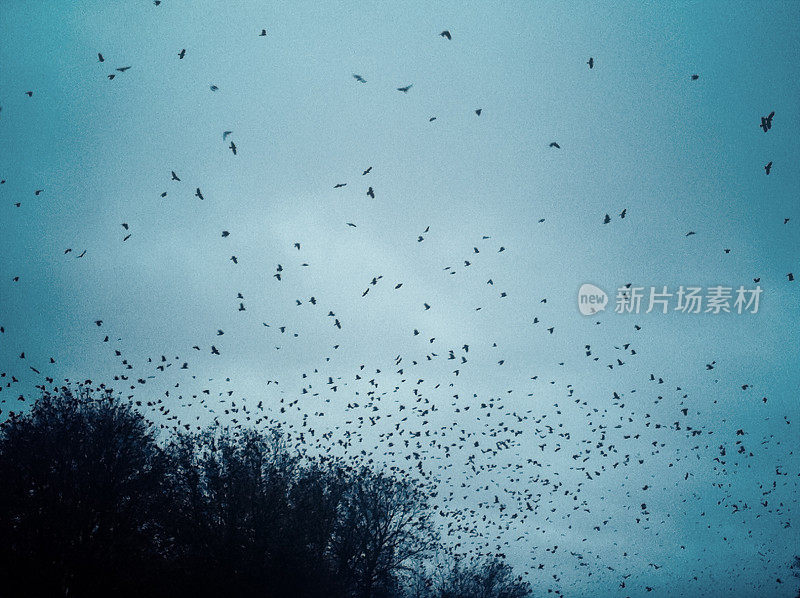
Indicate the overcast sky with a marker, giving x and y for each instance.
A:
(636, 133)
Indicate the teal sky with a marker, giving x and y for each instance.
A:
(636, 133)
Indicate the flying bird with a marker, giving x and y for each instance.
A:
(406, 88)
(768, 167)
(100, 57)
(181, 54)
(590, 62)
(766, 121)
(371, 193)
(478, 111)
(555, 145)
(359, 78)
(198, 193)
(446, 34)
(233, 147)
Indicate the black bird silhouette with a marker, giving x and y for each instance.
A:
(607, 219)
(338, 185)
(122, 69)
(263, 33)
(446, 34)
(406, 88)
(695, 77)
(367, 171)
(766, 121)
(768, 167)
(371, 193)
(233, 147)
(181, 54)
(478, 111)
(359, 78)
(100, 57)
(555, 145)
(175, 176)
(590, 62)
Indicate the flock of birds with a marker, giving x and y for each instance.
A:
(500, 476)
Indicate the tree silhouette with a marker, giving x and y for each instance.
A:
(81, 493)
(92, 505)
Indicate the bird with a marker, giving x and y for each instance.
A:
(214, 88)
(29, 94)
(339, 185)
(122, 69)
(359, 78)
(181, 54)
(590, 62)
(263, 33)
(555, 145)
(371, 193)
(766, 121)
(406, 88)
(607, 219)
(695, 77)
(233, 147)
(768, 167)
(198, 193)
(367, 171)
(100, 57)
(225, 234)
(790, 276)
(125, 225)
(478, 111)
(623, 213)
(175, 176)
(446, 34)
(225, 135)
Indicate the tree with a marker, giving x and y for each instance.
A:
(384, 524)
(81, 492)
(484, 578)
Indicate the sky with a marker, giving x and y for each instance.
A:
(636, 133)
